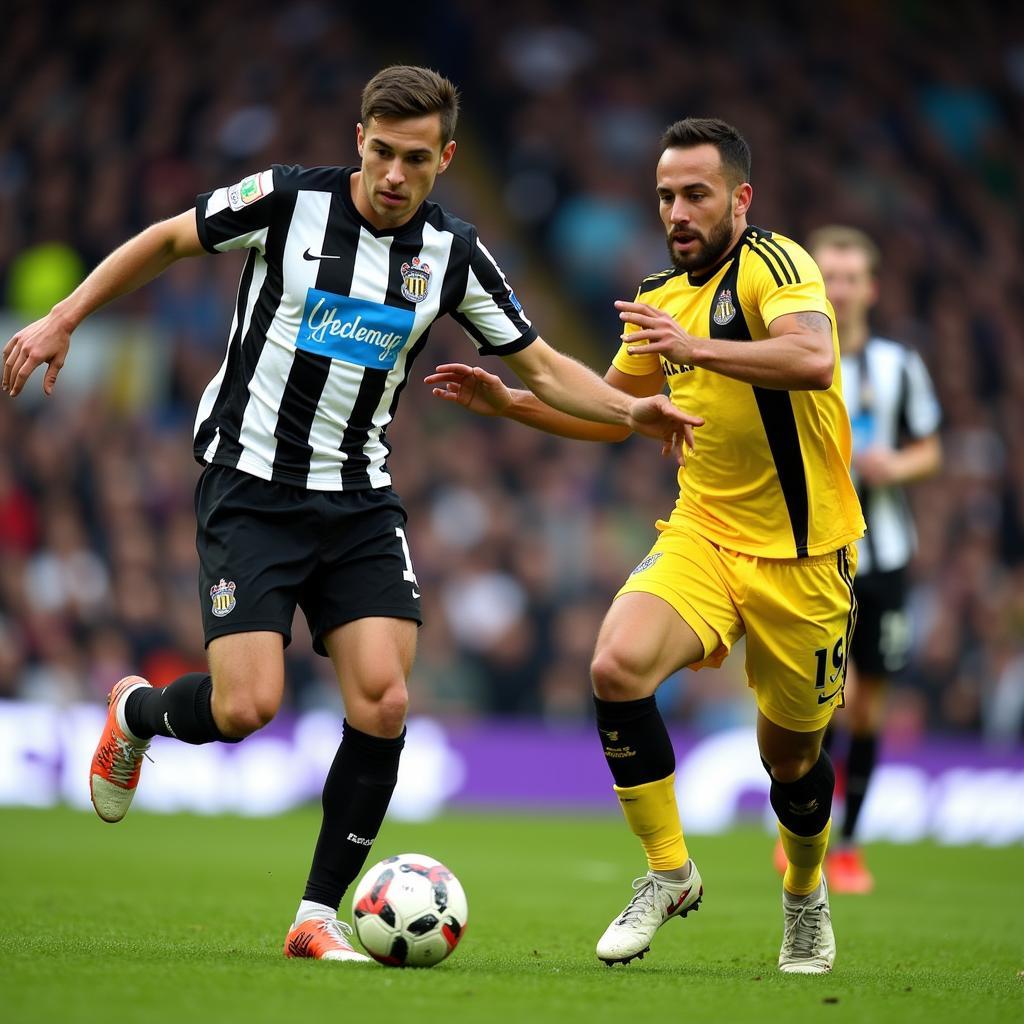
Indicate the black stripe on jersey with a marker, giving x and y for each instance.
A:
(208, 428)
(767, 262)
(771, 263)
(764, 248)
(903, 430)
(309, 371)
(652, 281)
(776, 409)
(770, 243)
(456, 275)
(229, 451)
(374, 382)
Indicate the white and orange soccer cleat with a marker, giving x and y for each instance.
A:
(117, 762)
(322, 938)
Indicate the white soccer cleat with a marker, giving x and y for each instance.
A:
(117, 762)
(808, 944)
(656, 900)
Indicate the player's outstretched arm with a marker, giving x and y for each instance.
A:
(128, 267)
(624, 403)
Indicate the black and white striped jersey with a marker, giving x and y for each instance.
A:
(329, 317)
(890, 399)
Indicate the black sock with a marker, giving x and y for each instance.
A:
(804, 806)
(636, 743)
(860, 763)
(182, 710)
(356, 797)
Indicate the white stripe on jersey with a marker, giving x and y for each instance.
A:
(898, 394)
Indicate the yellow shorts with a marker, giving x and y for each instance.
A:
(798, 615)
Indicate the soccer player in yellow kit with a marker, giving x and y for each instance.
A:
(760, 542)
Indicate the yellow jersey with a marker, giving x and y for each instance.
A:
(771, 473)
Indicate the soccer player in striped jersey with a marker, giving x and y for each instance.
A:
(895, 417)
(346, 270)
(760, 543)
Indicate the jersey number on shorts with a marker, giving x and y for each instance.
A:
(823, 676)
(407, 574)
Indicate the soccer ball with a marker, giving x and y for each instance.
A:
(409, 911)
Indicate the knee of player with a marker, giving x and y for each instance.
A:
(387, 706)
(790, 767)
(614, 678)
(244, 715)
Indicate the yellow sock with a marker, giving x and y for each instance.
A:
(805, 855)
(653, 816)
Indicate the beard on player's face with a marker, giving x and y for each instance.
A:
(709, 250)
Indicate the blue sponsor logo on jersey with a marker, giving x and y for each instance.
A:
(365, 333)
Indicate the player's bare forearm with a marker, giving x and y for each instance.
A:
(798, 355)
(572, 388)
(133, 264)
(920, 459)
(569, 386)
(528, 409)
(885, 467)
(791, 362)
(647, 410)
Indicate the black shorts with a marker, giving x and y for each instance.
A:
(266, 547)
(881, 641)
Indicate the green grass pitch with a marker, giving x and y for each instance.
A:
(182, 919)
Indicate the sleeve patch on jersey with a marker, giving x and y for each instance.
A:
(248, 190)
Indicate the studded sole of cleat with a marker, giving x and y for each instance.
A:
(640, 955)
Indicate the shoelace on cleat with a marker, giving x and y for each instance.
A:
(642, 903)
(803, 926)
(121, 758)
(337, 930)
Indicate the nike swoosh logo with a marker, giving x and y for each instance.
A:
(822, 697)
(307, 255)
(673, 907)
(415, 592)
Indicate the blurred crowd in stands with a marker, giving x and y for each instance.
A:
(904, 119)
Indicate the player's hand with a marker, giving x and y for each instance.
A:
(476, 389)
(659, 332)
(656, 416)
(44, 341)
(877, 466)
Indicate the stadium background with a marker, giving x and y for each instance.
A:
(905, 119)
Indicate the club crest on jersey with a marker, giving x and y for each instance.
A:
(646, 563)
(724, 309)
(415, 280)
(222, 596)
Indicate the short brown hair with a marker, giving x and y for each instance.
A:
(839, 236)
(402, 90)
(698, 131)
